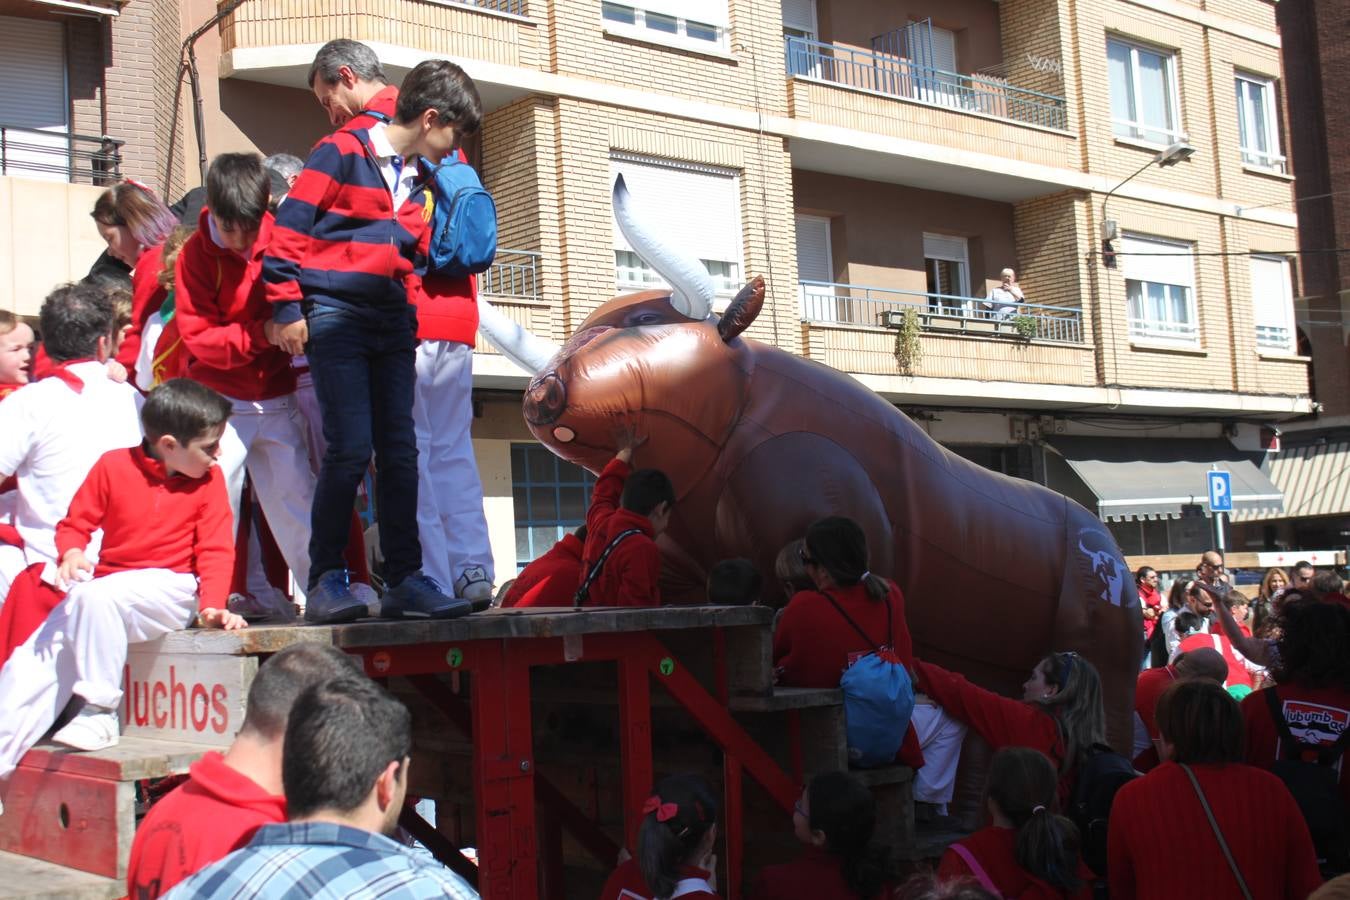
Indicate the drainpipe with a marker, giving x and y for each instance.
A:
(189, 49)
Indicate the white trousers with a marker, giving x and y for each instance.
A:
(308, 403)
(82, 648)
(267, 437)
(940, 738)
(12, 562)
(450, 519)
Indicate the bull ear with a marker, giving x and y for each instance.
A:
(742, 310)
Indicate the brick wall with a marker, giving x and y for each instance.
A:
(132, 93)
(84, 74)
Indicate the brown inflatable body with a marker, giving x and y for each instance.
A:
(759, 443)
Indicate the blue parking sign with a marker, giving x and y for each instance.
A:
(1220, 491)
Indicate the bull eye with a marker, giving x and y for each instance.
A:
(645, 318)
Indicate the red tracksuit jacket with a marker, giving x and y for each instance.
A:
(147, 296)
(995, 850)
(552, 579)
(221, 310)
(630, 573)
(816, 873)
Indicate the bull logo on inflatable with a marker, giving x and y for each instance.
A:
(759, 443)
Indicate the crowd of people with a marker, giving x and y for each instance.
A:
(167, 437)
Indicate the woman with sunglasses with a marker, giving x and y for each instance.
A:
(1060, 713)
(818, 635)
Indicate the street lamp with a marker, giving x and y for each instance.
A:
(1168, 156)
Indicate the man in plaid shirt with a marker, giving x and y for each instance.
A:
(345, 771)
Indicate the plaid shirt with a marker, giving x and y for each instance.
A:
(321, 860)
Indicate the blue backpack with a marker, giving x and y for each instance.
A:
(463, 222)
(878, 699)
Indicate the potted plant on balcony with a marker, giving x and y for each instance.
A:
(908, 349)
(1025, 326)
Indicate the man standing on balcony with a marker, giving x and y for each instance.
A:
(350, 85)
(1003, 300)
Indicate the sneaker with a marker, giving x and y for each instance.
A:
(332, 601)
(419, 597)
(94, 728)
(266, 605)
(367, 595)
(473, 585)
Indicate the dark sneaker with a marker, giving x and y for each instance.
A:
(332, 600)
(419, 597)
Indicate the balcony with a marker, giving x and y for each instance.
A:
(59, 156)
(906, 79)
(512, 284)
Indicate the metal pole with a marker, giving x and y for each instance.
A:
(1218, 532)
(189, 49)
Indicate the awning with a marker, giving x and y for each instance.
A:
(1146, 478)
(1314, 478)
(97, 7)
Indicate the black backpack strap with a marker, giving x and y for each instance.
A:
(849, 619)
(1292, 747)
(584, 591)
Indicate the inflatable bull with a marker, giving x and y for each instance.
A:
(759, 443)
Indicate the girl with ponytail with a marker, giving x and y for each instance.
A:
(850, 613)
(835, 819)
(675, 842)
(1030, 851)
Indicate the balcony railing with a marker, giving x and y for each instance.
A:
(1164, 330)
(59, 155)
(512, 7)
(1274, 337)
(897, 76)
(852, 304)
(514, 275)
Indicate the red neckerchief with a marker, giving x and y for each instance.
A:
(7, 389)
(63, 373)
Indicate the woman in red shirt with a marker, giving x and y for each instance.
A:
(674, 846)
(1201, 738)
(1060, 713)
(834, 819)
(1030, 851)
(814, 643)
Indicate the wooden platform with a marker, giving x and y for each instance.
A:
(24, 878)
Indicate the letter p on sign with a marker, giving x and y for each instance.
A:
(1220, 491)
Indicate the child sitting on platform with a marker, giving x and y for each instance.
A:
(629, 509)
(734, 582)
(552, 579)
(674, 846)
(165, 562)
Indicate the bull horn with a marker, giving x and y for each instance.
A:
(521, 346)
(691, 288)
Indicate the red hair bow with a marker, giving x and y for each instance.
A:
(664, 811)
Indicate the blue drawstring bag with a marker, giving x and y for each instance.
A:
(878, 699)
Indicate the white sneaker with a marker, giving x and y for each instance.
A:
(93, 728)
(473, 585)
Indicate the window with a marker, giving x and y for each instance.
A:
(700, 24)
(1143, 93)
(1273, 303)
(1160, 289)
(947, 261)
(551, 496)
(815, 270)
(1258, 127)
(35, 57)
(705, 222)
(799, 28)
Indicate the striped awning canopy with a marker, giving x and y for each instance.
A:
(1315, 480)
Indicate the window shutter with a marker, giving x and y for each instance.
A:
(1272, 293)
(813, 249)
(942, 246)
(944, 49)
(696, 209)
(800, 15)
(709, 12)
(1177, 267)
(35, 95)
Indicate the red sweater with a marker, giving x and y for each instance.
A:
(1260, 822)
(1001, 721)
(629, 575)
(147, 296)
(552, 579)
(154, 521)
(626, 883)
(1149, 687)
(813, 644)
(204, 819)
(994, 849)
(816, 874)
(1237, 672)
(221, 310)
(1150, 597)
(1315, 715)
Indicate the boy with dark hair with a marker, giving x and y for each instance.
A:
(629, 509)
(165, 562)
(345, 772)
(237, 792)
(340, 286)
(734, 582)
(226, 325)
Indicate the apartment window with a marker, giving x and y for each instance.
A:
(34, 57)
(815, 270)
(947, 262)
(1160, 289)
(694, 23)
(799, 30)
(550, 496)
(695, 208)
(1273, 303)
(1144, 102)
(1258, 126)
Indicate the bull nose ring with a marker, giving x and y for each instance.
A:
(545, 400)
